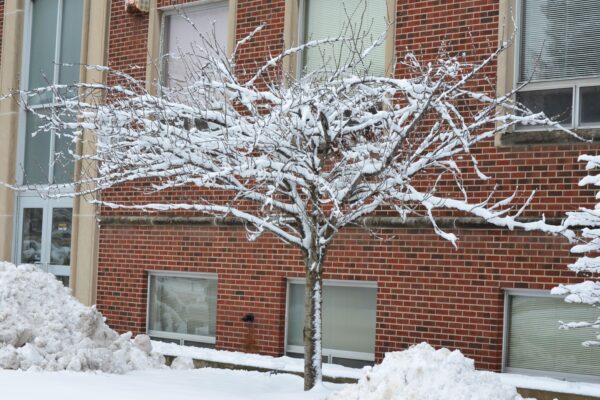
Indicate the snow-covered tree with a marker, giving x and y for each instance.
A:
(298, 157)
(587, 292)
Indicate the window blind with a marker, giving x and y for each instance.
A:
(560, 39)
(348, 317)
(536, 343)
(328, 18)
(180, 38)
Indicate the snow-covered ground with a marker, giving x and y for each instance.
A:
(55, 348)
(287, 364)
(201, 384)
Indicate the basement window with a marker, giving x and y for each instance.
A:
(348, 321)
(534, 344)
(182, 308)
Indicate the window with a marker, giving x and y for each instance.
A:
(180, 37)
(348, 321)
(559, 54)
(52, 39)
(182, 308)
(320, 19)
(534, 344)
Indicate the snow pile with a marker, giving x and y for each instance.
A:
(42, 327)
(422, 372)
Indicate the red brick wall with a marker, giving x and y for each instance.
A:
(427, 290)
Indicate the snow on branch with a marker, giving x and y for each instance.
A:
(312, 154)
(588, 291)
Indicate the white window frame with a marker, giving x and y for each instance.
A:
(508, 293)
(25, 84)
(169, 11)
(31, 198)
(328, 354)
(547, 84)
(182, 337)
(46, 243)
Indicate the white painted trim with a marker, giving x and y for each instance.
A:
(301, 37)
(183, 274)
(182, 336)
(286, 317)
(529, 292)
(47, 207)
(561, 376)
(352, 355)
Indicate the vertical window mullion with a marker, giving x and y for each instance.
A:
(55, 78)
(576, 105)
(57, 49)
(46, 233)
(301, 36)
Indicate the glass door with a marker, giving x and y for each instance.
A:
(45, 235)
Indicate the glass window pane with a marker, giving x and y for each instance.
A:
(295, 315)
(180, 37)
(31, 239)
(348, 317)
(330, 19)
(37, 152)
(60, 252)
(557, 104)
(64, 165)
(43, 46)
(536, 343)
(590, 104)
(64, 279)
(348, 362)
(183, 305)
(70, 41)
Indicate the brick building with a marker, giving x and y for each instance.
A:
(184, 278)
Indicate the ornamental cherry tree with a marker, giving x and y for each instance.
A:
(587, 292)
(301, 157)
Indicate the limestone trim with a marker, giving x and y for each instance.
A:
(10, 70)
(85, 231)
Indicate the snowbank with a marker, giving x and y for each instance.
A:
(285, 364)
(422, 372)
(43, 327)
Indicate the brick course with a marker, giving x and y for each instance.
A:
(427, 290)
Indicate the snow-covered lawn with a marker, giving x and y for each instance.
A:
(54, 348)
(200, 384)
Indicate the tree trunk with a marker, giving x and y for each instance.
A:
(313, 301)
